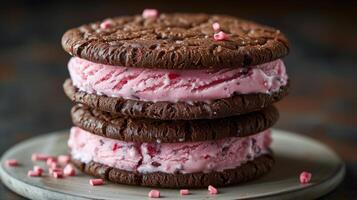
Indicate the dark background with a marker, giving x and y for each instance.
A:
(322, 66)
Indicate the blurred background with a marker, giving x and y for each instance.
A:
(322, 66)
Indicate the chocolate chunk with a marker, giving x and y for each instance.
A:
(155, 164)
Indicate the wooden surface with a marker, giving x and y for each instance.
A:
(293, 153)
(322, 66)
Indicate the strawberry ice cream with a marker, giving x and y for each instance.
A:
(190, 157)
(175, 85)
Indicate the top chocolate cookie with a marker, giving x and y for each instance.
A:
(176, 41)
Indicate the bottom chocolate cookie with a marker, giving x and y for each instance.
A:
(248, 171)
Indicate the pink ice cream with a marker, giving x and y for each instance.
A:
(175, 85)
(190, 157)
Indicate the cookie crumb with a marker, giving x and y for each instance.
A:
(305, 177)
(12, 163)
(154, 194)
(95, 182)
(184, 192)
(212, 190)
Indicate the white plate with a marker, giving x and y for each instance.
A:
(293, 153)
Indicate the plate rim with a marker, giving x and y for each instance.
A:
(337, 176)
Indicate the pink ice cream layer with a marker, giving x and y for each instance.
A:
(189, 157)
(175, 85)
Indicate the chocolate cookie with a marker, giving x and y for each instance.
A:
(243, 173)
(150, 130)
(235, 105)
(176, 41)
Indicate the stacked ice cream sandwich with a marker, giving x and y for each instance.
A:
(174, 100)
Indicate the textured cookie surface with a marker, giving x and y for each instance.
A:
(248, 171)
(176, 41)
(235, 105)
(150, 130)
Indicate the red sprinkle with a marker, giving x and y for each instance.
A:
(95, 182)
(39, 157)
(33, 174)
(216, 26)
(64, 159)
(69, 170)
(212, 190)
(57, 174)
(154, 194)
(220, 36)
(106, 24)
(184, 192)
(12, 163)
(150, 13)
(305, 177)
(37, 169)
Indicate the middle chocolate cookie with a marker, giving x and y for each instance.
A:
(169, 131)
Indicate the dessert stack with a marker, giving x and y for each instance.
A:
(174, 100)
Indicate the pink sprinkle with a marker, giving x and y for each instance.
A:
(39, 157)
(150, 13)
(184, 192)
(95, 182)
(33, 174)
(305, 177)
(50, 160)
(64, 159)
(57, 174)
(154, 194)
(38, 169)
(216, 26)
(220, 36)
(212, 190)
(69, 170)
(106, 24)
(12, 163)
(54, 165)
(53, 170)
